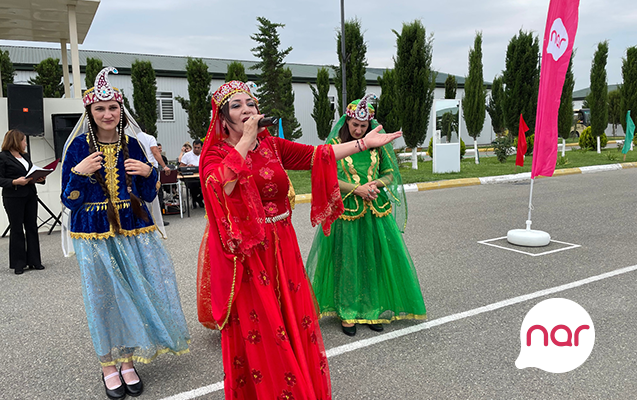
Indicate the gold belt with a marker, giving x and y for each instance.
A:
(276, 218)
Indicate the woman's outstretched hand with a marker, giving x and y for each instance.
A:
(375, 139)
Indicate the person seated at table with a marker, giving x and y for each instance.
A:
(191, 159)
(184, 149)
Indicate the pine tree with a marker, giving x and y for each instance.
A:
(49, 75)
(521, 79)
(495, 106)
(236, 72)
(291, 127)
(323, 112)
(475, 94)
(93, 67)
(198, 106)
(387, 113)
(598, 97)
(7, 71)
(356, 64)
(565, 114)
(415, 83)
(628, 89)
(274, 77)
(450, 87)
(145, 94)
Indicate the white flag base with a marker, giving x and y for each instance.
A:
(528, 237)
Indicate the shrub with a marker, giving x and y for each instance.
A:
(430, 149)
(589, 142)
(502, 148)
(530, 141)
(562, 160)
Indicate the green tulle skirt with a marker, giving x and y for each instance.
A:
(363, 273)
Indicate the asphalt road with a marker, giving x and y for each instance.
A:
(47, 351)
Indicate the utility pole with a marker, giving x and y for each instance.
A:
(343, 56)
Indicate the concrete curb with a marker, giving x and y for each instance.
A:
(489, 180)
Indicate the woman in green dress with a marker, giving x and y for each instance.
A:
(363, 273)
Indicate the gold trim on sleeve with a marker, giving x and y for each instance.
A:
(74, 195)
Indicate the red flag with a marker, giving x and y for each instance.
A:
(519, 159)
(559, 36)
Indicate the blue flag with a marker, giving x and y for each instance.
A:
(281, 128)
(630, 133)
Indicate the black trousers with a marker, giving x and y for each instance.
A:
(195, 192)
(23, 217)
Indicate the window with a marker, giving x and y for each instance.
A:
(165, 110)
(332, 101)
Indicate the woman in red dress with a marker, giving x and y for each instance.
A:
(251, 281)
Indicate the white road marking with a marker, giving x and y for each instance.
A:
(569, 246)
(428, 325)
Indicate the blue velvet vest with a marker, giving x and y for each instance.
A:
(86, 199)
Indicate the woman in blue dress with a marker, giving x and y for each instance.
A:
(128, 280)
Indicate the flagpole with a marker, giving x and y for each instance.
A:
(528, 221)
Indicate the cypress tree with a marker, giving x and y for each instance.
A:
(198, 105)
(598, 97)
(628, 89)
(415, 82)
(475, 94)
(495, 106)
(236, 72)
(7, 71)
(323, 112)
(49, 75)
(276, 97)
(356, 64)
(387, 113)
(145, 94)
(521, 78)
(450, 87)
(565, 114)
(93, 67)
(614, 109)
(291, 127)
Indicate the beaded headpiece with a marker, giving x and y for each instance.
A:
(361, 109)
(102, 91)
(231, 88)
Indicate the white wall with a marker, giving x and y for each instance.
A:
(42, 153)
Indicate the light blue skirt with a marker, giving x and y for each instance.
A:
(131, 298)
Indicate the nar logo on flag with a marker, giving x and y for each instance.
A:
(558, 40)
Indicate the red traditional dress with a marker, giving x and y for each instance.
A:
(252, 283)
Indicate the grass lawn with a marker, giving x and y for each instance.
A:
(489, 166)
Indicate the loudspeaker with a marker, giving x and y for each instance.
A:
(63, 125)
(26, 109)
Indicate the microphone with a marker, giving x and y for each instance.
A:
(268, 121)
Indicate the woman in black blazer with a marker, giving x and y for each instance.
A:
(20, 200)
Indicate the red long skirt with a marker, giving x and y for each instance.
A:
(272, 345)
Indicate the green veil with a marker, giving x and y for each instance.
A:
(391, 177)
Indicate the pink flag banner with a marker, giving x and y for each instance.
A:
(559, 36)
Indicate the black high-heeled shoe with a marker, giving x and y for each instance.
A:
(40, 266)
(119, 392)
(136, 388)
(349, 330)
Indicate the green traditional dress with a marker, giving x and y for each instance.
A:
(362, 272)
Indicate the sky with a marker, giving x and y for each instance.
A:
(222, 29)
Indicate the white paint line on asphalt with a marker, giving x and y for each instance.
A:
(431, 324)
(569, 246)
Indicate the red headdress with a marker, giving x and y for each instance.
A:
(219, 98)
